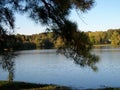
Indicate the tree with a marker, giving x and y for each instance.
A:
(103, 37)
(109, 33)
(59, 42)
(7, 63)
(91, 37)
(47, 44)
(79, 50)
(115, 38)
(52, 13)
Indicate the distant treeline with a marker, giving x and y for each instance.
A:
(41, 41)
(25, 42)
(111, 36)
(49, 40)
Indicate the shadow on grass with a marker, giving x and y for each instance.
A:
(5, 85)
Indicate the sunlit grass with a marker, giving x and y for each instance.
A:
(5, 85)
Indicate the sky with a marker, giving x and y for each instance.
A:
(104, 15)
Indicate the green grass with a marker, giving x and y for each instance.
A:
(5, 85)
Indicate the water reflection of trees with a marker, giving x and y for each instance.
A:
(86, 59)
(7, 63)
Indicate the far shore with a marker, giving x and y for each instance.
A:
(102, 45)
(105, 45)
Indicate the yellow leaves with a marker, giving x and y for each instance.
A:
(115, 39)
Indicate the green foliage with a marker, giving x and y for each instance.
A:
(59, 42)
(112, 36)
(7, 42)
(7, 63)
(47, 44)
(97, 37)
(4, 85)
(79, 50)
(54, 14)
(115, 38)
(48, 12)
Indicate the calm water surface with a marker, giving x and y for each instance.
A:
(47, 67)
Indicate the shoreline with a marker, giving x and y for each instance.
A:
(102, 45)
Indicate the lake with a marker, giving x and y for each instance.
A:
(47, 67)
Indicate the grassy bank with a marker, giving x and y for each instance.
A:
(4, 85)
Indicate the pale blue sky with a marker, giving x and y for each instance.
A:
(103, 16)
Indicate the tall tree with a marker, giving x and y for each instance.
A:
(115, 38)
(49, 12)
(52, 13)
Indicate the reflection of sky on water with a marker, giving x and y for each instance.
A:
(3, 74)
(42, 67)
(109, 66)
